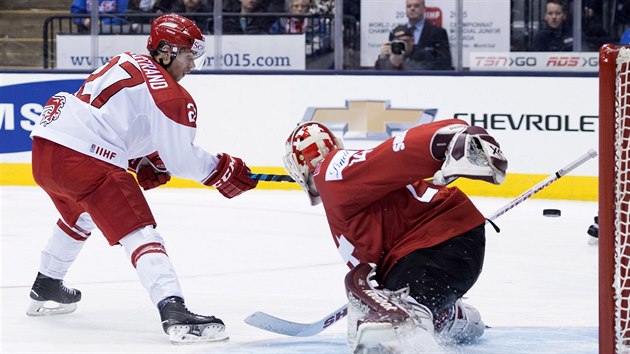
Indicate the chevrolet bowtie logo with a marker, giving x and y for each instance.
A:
(369, 119)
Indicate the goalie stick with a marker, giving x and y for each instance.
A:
(271, 177)
(544, 183)
(274, 324)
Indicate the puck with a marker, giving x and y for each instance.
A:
(551, 212)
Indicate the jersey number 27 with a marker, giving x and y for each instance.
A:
(135, 78)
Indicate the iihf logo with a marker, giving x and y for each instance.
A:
(52, 110)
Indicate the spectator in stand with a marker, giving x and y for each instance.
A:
(114, 24)
(395, 54)
(325, 7)
(245, 24)
(141, 24)
(555, 36)
(141, 5)
(150, 6)
(277, 6)
(189, 7)
(164, 6)
(425, 47)
(594, 33)
(622, 16)
(317, 36)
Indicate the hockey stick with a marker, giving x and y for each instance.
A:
(277, 325)
(543, 184)
(271, 178)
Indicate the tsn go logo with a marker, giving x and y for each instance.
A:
(504, 61)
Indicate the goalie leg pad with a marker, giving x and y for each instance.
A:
(462, 324)
(379, 316)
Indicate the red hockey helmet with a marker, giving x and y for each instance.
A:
(306, 147)
(171, 33)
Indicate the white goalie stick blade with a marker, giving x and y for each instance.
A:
(277, 325)
(49, 308)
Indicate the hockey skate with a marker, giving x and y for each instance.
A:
(50, 297)
(183, 326)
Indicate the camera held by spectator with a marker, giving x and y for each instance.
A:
(400, 41)
(398, 47)
(396, 51)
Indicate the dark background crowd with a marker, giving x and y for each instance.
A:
(536, 25)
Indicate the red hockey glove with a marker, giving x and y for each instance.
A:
(231, 177)
(150, 171)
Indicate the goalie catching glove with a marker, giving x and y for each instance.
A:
(231, 177)
(150, 171)
(471, 153)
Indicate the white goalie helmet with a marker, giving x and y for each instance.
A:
(306, 147)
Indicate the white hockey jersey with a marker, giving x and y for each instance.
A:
(126, 109)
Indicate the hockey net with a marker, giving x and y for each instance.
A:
(614, 199)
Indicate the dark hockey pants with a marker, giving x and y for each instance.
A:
(439, 275)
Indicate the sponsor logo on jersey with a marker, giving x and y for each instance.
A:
(52, 110)
(20, 109)
(97, 150)
(369, 120)
(337, 165)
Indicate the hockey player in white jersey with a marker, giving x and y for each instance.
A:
(130, 114)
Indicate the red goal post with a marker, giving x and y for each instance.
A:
(614, 199)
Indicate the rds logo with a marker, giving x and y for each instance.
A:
(20, 107)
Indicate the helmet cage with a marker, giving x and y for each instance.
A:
(306, 147)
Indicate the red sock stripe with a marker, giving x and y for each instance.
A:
(153, 247)
(71, 232)
(82, 231)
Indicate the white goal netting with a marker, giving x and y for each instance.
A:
(622, 201)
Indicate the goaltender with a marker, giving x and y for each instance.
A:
(414, 246)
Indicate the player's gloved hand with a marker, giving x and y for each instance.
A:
(150, 171)
(231, 177)
(471, 153)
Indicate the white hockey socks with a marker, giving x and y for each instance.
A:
(64, 246)
(145, 249)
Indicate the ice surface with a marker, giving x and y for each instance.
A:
(270, 251)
